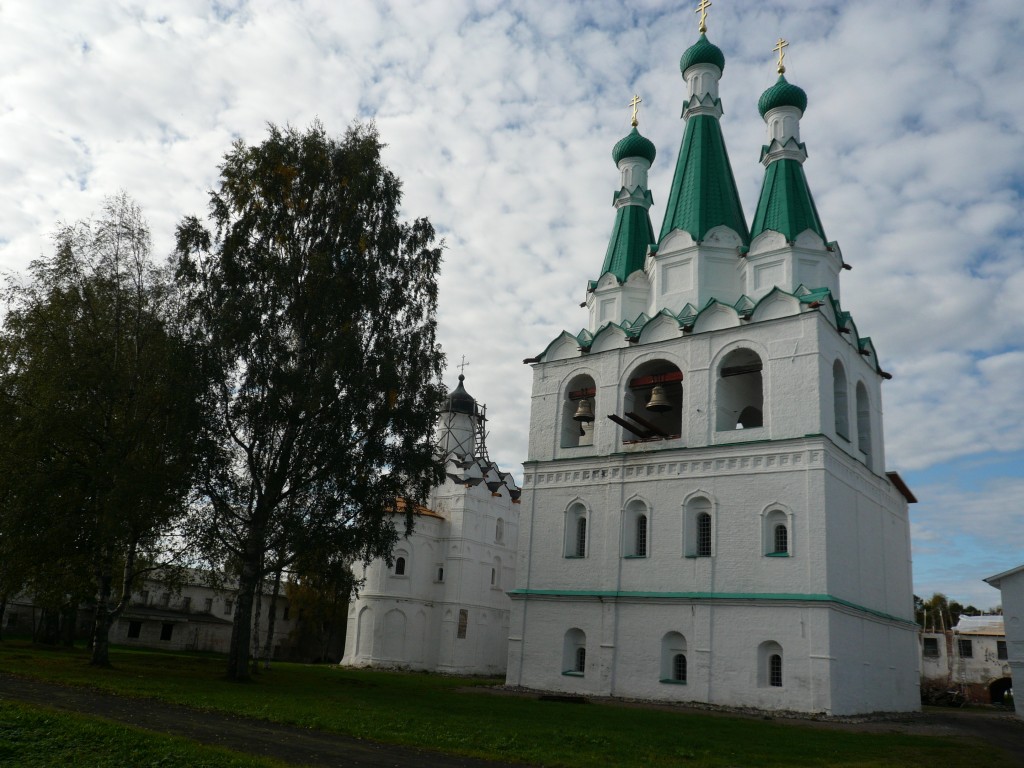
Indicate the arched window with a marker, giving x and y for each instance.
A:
(703, 535)
(839, 401)
(641, 536)
(652, 405)
(776, 533)
(780, 538)
(576, 531)
(863, 422)
(769, 665)
(400, 566)
(636, 530)
(679, 668)
(775, 670)
(574, 653)
(499, 530)
(740, 395)
(698, 533)
(673, 658)
(496, 574)
(578, 412)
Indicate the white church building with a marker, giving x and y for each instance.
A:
(706, 513)
(442, 604)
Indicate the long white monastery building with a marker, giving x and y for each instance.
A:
(442, 603)
(707, 516)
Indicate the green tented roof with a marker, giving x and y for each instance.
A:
(703, 194)
(627, 247)
(786, 205)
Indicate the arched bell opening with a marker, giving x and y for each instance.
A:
(740, 391)
(652, 403)
(578, 408)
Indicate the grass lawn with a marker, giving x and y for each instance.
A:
(439, 713)
(35, 737)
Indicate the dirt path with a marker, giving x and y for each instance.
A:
(995, 730)
(288, 744)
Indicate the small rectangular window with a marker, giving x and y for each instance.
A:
(931, 647)
(208, 605)
(229, 606)
(165, 599)
(965, 648)
(134, 629)
(186, 604)
(144, 597)
(166, 631)
(463, 624)
(1001, 650)
(439, 576)
(286, 613)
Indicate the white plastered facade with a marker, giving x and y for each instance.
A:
(442, 604)
(774, 570)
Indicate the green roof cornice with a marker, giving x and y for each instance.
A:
(627, 247)
(703, 194)
(786, 205)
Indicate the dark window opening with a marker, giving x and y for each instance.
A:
(641, 536)
(134, 629)
(965, 648)
(703, 535)
(679, 667)
(931, 647)
(166, 631)
(781, 539)
(400, 567)
(463, 624)
(775, 670)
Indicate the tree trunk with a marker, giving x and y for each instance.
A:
(257, 610)
(69, 618)
(50, 627)
(3, 610)
(102, 618)
(269, 645)
(248, 581)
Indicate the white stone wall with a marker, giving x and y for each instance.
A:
(412, 620)
(837, 606)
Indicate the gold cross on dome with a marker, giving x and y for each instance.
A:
(702, 9)
(633, 103)
(779, 46)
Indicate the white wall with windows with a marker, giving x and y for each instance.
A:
(442, 603)
(771, 516)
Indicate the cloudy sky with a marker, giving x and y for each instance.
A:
(500, 118)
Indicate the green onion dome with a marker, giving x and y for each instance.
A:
(702, 52)
(634, 145)
(782, 94)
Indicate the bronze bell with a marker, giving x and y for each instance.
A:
(584, 411)
(659, 401)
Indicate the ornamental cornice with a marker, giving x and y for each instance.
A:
(700, 463)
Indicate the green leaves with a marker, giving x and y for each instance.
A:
(315, 304)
